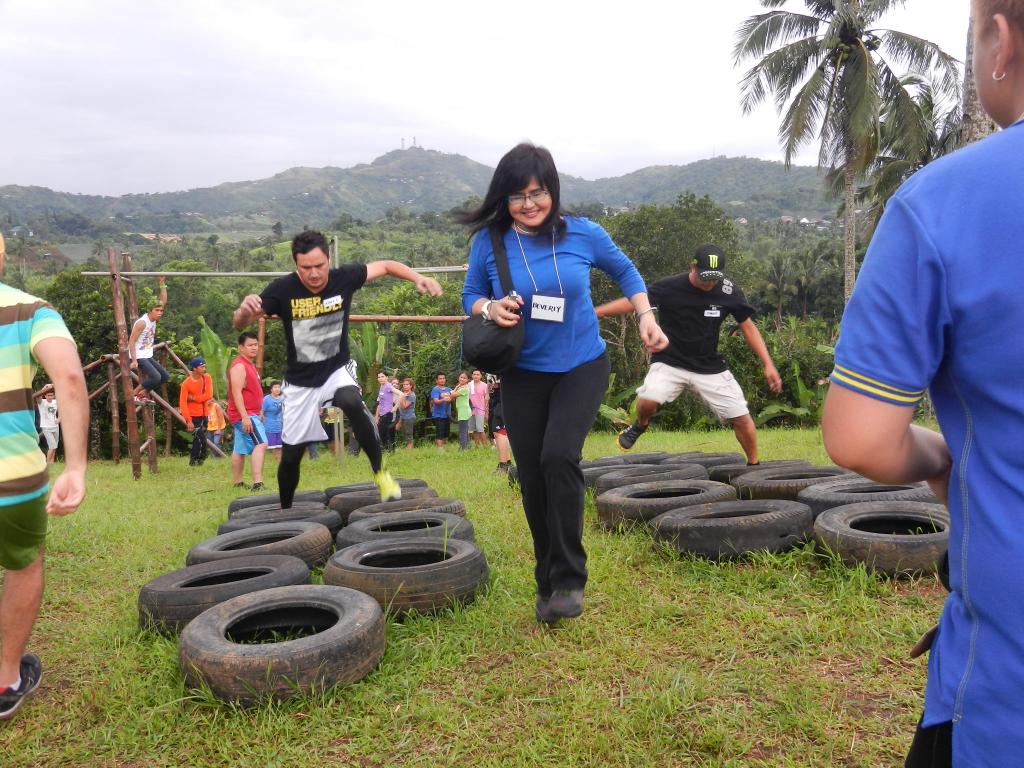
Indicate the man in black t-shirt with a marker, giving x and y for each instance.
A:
(314, 303)
(691, 307)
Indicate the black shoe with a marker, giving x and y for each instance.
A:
(257, 487)
(503, 466)
(566, 603)
(628, 437)
(544, 612)
(31, 674)
(239, 485)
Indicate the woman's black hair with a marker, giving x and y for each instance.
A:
(520, 164)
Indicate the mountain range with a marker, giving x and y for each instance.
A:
(417, 180)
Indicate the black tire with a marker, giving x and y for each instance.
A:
(345, 503)
(311, 542)
(646, 473)
(422, 575)
(324, 516)
(169, 602)
(727, 529)
(784, 482)
(726, 473)
(629, 505)
(890, 537)
(650, 457)
(307, 506)
(406, 525)
(591, 474)
(427, 504)
(404, 482)
(242, 502)
(706, 460)
(347, 646)
(856, 489)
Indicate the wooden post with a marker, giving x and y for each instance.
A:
(168, 431)
(115, 415)
(133, 297)
(149, 422)
(261, 337)
(123, 360)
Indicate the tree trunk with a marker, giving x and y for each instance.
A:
(977, 124)
(850, 235)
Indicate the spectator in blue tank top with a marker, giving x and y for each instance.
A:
(272, 418)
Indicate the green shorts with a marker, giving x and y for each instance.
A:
(22, 533)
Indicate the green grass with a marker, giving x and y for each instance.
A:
(789, 660)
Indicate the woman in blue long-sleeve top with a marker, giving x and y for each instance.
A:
(550, 398)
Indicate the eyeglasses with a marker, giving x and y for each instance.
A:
(518, 201)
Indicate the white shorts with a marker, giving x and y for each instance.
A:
(723, 395)
(52, 435)
(300, 408)
(476, 422)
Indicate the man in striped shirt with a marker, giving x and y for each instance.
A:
(29, 327)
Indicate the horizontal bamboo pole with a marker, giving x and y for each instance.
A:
(450, 268)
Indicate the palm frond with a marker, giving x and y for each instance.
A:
(860, 94)
(920, 55)
(763, 32)
(804, 113)
(779, 72)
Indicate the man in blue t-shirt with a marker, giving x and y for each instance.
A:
(937, 307)
(441, 410)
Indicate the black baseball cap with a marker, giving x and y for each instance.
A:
(710, 261)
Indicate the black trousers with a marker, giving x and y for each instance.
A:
(386, 428)
(198, 452)
(548, 416)
(932, 747)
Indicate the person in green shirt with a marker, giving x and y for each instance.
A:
(463, 410)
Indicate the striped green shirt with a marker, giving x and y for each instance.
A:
(24, 321)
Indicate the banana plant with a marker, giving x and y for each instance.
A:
(367, 349)
(217, 355)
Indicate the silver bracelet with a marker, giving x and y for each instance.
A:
(641, 314)
(485, 310)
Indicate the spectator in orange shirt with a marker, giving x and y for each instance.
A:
(196, 392)
(216, 422)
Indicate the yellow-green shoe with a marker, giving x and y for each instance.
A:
(387, 485)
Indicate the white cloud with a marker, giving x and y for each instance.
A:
(116, 96)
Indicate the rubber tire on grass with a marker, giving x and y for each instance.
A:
(630, 505)
(345, 503)
(706, 460)
(242, 502)
(422, 575)
(406, 525)
(307, 506)
(348, 647)
(648, 457)
(856, 489)
(726, 530)
(428, 504)
(842, 530)
(646, 473)
(324, 516)
(169, 602)
(404, 482)
(311, 542)
(590, 474)
(726, 473)
(784, 482)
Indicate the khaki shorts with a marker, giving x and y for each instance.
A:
(723, 395)
(22, 533)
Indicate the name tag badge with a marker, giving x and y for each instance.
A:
(331, 303)
(712, 313)
(550, 308)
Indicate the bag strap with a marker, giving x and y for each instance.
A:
(501, 260)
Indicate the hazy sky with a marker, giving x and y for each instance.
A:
(119, 96)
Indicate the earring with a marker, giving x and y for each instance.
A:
(998, 78)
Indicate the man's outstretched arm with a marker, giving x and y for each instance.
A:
(423, 283)
(755, 341)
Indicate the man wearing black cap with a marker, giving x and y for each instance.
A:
(692, 306)
(196, 392)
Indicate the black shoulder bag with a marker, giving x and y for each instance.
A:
(485, 344)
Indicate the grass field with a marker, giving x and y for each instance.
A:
(790, 660)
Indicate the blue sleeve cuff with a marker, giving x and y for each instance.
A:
(879, 390)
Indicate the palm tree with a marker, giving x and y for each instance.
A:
(901, 154)
(827, 65)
